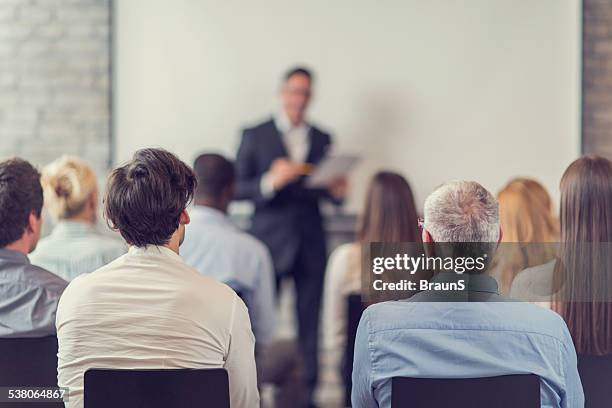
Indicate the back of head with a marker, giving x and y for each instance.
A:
(529, 226)
(583, 273)
(464, 216)
(20, 195)
(390, 213)
(526, 212)
(215, 175)
(586, 201)
(68, 183)
(145, 198)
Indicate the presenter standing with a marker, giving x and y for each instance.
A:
(271, 164)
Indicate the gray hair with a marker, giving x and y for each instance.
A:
(462, 211)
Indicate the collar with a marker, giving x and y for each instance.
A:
(154, 250)
(67, 227)
(283, 124)
(14, 256)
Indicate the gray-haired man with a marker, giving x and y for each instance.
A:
(485, 336)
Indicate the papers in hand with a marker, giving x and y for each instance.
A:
(329, 169)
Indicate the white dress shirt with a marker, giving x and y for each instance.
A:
(296, 140)
(148, 309)
(217, 248)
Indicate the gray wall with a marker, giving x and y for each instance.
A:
(55, 80)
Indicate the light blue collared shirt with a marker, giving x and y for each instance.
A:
(217, 248)
(74, 248)
(28, 297)
(419, 337)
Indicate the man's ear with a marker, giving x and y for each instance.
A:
(33, 223)
(184, 218)
(428, 242)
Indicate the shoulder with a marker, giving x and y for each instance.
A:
(343, 254)
(262, 127)
(320, 133)
(533, 282)
(46, 280)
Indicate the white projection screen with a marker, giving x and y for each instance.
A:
(438, 90)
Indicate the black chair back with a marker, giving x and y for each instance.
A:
(355, 308)
(29, 362)
(506, 391)
(186, 388)
(596, 377)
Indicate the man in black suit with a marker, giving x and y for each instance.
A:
(271, 164)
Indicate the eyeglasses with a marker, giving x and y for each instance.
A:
(421, 223)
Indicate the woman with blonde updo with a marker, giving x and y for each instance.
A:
(71, 198)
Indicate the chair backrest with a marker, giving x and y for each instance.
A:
(29, 362)
(596, 377)
(355, 308)
(506, 391)
(184, 388)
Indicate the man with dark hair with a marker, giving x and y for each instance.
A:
(272, 160)
(148, 308)
(217, 248)
(29, 294)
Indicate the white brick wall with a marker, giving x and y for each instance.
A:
(54, 80)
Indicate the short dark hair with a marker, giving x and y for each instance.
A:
(215, 174)
(298, 71)
(21, 194)
(145, 197)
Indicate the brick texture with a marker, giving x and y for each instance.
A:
(54, 80)
(597, 77)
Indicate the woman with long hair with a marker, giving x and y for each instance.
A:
(579, 281)
(390, 216)
(529, 228)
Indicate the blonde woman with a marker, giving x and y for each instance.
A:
(529, 227)
(71, 198)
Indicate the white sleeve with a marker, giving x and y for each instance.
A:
(240, 362)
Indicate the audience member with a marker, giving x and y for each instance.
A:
(530, 227)
(71, 198)
(29, 294)
(578, 282)
(217, 248)
(491, 336)
(389, 215)
(148, 308)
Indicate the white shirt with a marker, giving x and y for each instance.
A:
(217, 248)
(296, 140)
(149, 309)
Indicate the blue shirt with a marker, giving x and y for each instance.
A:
(215, 247)
(28, 297)
(74, 248)
(419, 337)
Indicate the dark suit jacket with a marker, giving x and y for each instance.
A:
(290, 220)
